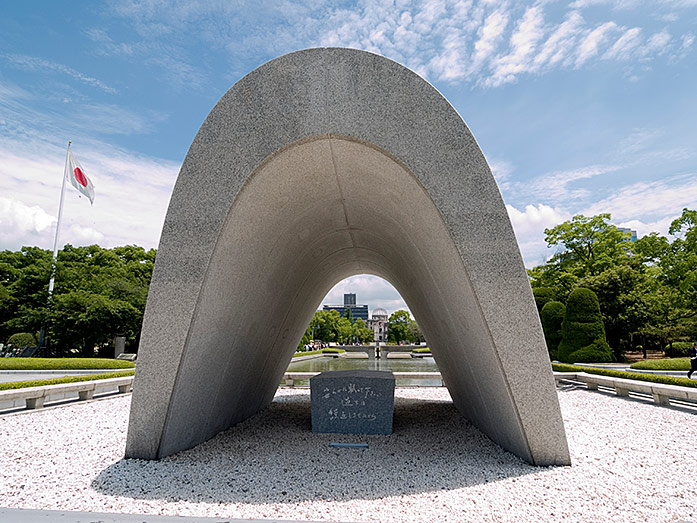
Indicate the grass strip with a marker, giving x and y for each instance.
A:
(663, 364)
(637, 376)
(424, 350)
(63, 364)
(67, 379)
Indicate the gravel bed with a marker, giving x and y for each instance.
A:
(632, 461)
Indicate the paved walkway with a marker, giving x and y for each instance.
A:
(20, 515)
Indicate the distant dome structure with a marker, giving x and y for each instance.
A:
(379, 312)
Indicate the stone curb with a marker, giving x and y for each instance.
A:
(20, 515)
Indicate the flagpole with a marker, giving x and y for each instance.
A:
(54, 259)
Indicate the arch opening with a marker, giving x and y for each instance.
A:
(302, 217)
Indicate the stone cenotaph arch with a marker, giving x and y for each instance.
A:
(319, 165)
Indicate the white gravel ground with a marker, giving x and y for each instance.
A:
(632, 461)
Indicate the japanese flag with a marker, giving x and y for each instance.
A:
(77, 177)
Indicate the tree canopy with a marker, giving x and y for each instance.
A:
(401, 328)
(99, 294)
(647, 290)
(328, 326)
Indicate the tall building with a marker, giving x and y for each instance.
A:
(633, 236)
(357, 311)
(378, 322)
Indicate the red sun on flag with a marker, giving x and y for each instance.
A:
(80, 176)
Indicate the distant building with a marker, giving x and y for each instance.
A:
(633, 238)
(378, 322)
(357, 311)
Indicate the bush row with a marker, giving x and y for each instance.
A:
(63, 363)
(67, 379)
(663, 364)
(638, 376)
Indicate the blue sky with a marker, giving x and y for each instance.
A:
(582, 106)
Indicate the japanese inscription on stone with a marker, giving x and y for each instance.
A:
(352, 402)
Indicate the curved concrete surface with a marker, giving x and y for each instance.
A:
(316, 166)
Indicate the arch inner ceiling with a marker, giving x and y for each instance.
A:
(312, 214)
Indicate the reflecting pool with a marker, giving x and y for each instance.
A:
(396, 365)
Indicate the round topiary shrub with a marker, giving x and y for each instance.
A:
(552, 316)
(22, 339)
(543, 295)
(582, 327)
(679, 349)
(598, 352)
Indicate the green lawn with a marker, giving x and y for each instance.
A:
(329, 350)
(639, 376)
(68, 379)
(63, 364)
(663, 364)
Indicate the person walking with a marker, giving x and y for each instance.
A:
(692, 353)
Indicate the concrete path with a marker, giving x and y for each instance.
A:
(20, 515)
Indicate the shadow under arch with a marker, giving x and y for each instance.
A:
(274, 457)
(300, 177)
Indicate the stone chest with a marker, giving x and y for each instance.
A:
(352, 402)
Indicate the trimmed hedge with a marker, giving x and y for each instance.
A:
(583, 328)
(67, 379)
(638, 376)
(597, 352)
(679, 349)
(663, 364)
(551, 317)
(543, 295)
(63, 364)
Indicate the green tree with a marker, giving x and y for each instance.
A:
(349, 314)
(344, 330)
(398, 325)
(589, 244)
(552, 316)
(416, 333)
(362, 333)
(622, 292)
(324, 325)
(583, 334)
(103, 291)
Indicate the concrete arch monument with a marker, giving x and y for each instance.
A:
(318, 165)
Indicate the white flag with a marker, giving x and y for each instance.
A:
(77, 177)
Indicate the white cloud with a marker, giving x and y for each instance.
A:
(559, 186)
(369, 290)
(535, 218)
(561, 42)
(625, 45)
(590, 46)
(483, 42)
(132, 194)
(32, 63)
(529, 226)
(22, 224)
(490, 34)
(650, 202)
(501, 169)
(529, 31)
(657, 44)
